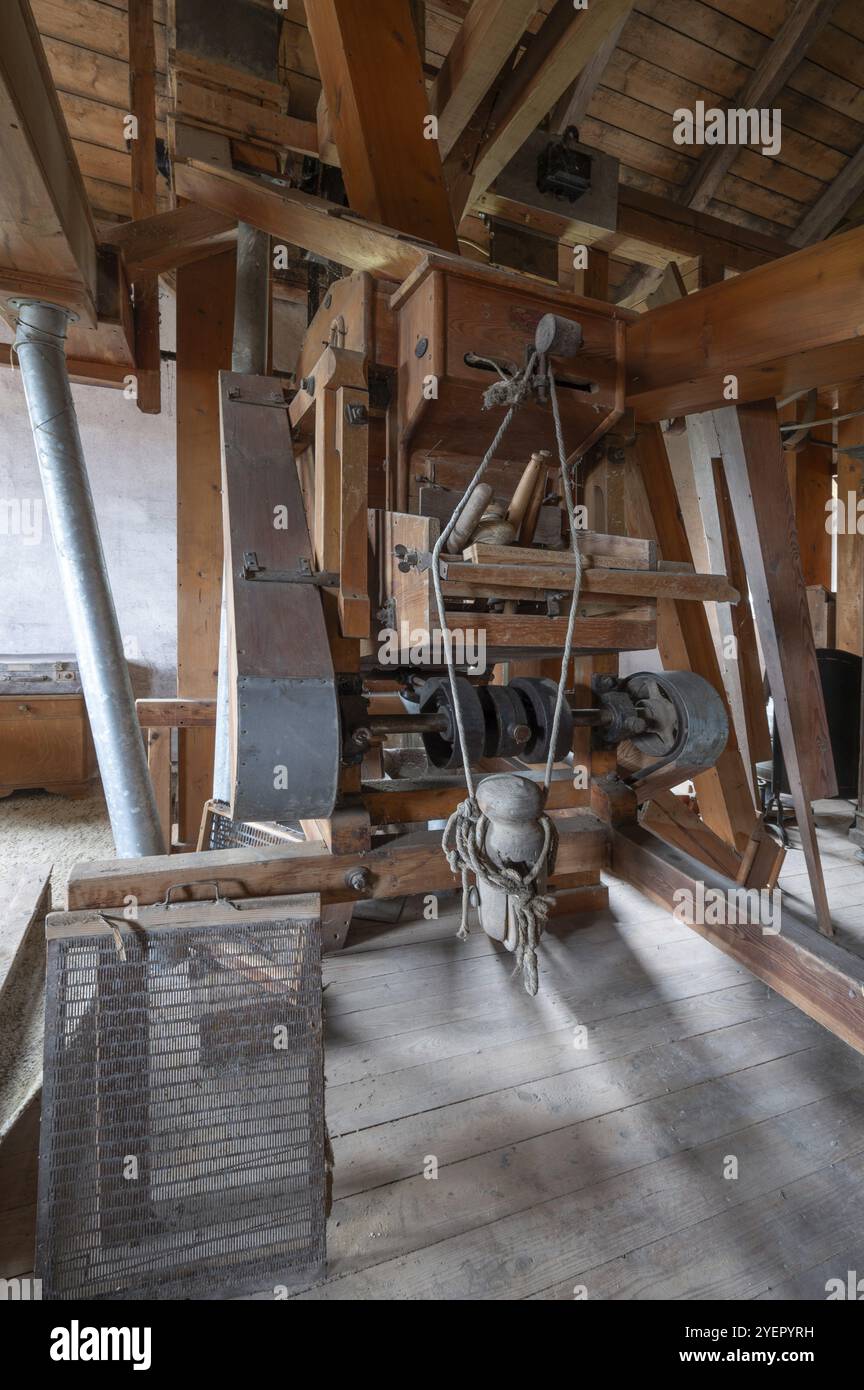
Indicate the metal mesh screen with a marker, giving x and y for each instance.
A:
(183, 1140)
(225, 833)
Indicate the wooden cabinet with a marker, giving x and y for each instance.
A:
(45, 742)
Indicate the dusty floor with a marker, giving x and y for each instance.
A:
(40, 827)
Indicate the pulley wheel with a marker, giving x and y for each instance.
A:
(442, 746)
(539, 695)
(688, 727)
(504, 714)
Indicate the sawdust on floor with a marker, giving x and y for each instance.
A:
(42, 827)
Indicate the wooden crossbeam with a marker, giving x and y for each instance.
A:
(301, 220)
(413, 863)
(781, 328)
(796, 34)
(372, 76)
(489, 33)
(170, 239)
(817, 976)
(651, 231)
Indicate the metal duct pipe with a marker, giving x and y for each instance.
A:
(249, 356)
(40, 346)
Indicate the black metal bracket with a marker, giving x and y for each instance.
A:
(304, 573)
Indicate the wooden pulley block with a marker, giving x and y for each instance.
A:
(513, 838)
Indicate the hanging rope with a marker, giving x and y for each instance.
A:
(464, 837)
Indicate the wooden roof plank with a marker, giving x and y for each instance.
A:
(805, 21)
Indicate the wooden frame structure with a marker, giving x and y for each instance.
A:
(364, 430)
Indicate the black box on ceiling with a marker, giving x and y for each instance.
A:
(586, 181)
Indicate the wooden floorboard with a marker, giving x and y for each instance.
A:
(580, 1137)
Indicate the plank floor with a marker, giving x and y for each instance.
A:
(656, 1124)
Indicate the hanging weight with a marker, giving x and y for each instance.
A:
(507, 729)
(442, 747)
(538, 697)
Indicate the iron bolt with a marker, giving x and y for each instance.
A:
(358, 880)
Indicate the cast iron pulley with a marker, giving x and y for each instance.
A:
(507, 727)
(442, 746)
(687, 727)
(539, 696)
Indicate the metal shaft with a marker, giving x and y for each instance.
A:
(40, 346)
(248, 355)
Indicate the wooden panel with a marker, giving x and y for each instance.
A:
(205, 325)
(45, 742)
(376, 97)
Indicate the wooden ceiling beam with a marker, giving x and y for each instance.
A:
(372, 76)
(767, 79)
(792, 324)
(300, 220)
(489, 33)
(46, 229)
(566, 43)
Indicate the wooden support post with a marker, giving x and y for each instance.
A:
(159, 764)
(145, 285)
(755, 470)
(205, 326)
(684, 636)
(850, 544)
(352, 446)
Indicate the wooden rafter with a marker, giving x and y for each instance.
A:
(837, 199)
(785, 53)
(573, 106)
(488, 35)
(372, 76)
(567, 41)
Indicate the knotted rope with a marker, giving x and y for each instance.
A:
(465, 833)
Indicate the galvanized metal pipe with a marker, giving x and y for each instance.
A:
(249, 356)
(40, 346)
